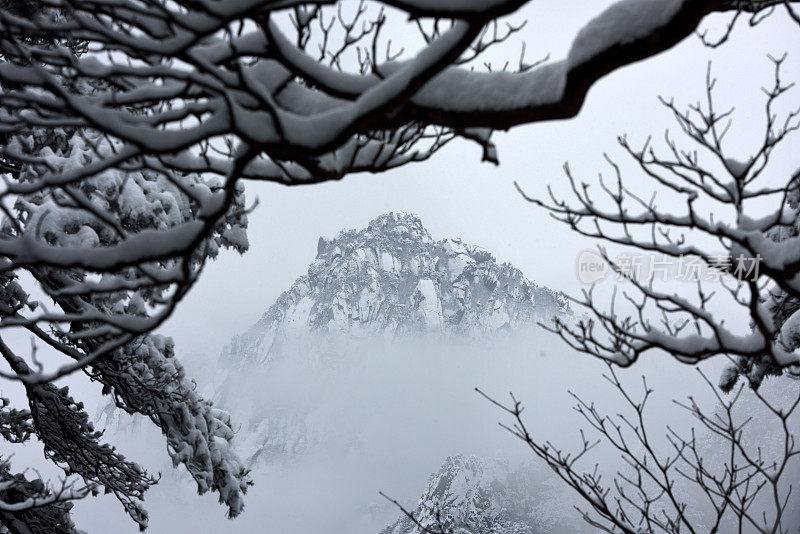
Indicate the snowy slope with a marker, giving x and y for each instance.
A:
(393, 280)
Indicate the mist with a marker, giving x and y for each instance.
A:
(383, 417)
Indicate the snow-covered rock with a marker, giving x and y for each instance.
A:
(388, 282)
(472, 495)
(392, 279)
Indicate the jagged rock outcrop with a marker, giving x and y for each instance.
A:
(387, 282)
(391, 280)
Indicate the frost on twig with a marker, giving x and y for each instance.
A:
(32, 507)
(707, 206)
(129, 126)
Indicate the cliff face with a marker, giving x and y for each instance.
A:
(392, 279)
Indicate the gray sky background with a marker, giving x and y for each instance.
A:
(457, 196)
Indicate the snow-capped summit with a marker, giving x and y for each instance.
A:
(364, 292)
(393, 279)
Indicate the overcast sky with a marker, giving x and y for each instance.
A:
(457, 196)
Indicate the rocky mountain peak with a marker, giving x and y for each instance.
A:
(393, 232)
(393, 279)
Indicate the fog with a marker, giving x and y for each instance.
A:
(383, 418)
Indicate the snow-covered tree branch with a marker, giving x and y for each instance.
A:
(129, 126)
(737, 219)
(33, 507)
(97, 92)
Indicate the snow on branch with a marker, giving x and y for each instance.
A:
(717, 218)
(129, 126)
(164, 88)
(32, 506)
